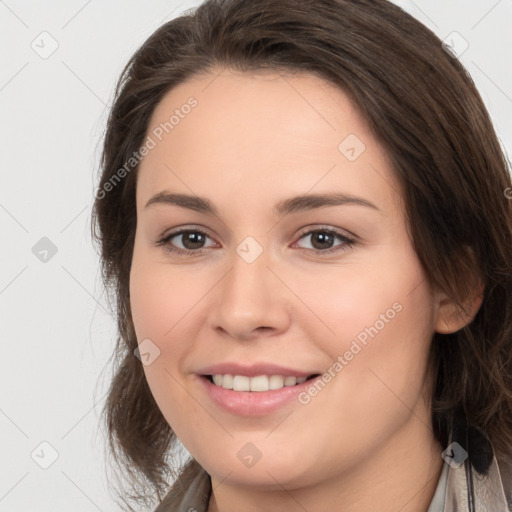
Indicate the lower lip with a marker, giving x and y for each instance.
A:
(253, 403)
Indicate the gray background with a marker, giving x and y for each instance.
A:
(56, 332)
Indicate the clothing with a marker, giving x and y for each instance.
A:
(461, 489)
(491, 492)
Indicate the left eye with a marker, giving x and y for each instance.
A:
(322, 240)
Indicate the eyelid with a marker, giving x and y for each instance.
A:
(181, 229)
(325, 227)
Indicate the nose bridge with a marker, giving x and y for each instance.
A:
(250, 297)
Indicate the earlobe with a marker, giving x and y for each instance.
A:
(451, 317)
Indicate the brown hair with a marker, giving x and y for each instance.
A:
(424, 109)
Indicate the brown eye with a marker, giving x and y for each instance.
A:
(324, 240)
(192, 239)
(186, 241)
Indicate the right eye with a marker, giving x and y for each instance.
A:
(192, 242)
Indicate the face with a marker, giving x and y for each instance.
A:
(248, 281)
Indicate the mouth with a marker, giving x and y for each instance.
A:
(259, 383)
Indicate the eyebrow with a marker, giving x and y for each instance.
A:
(282, 208)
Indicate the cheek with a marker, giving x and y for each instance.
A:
(347, 301)
(161, 300)
(380, 322)
(378, 382)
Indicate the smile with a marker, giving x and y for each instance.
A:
(258, 383)
(254, 396)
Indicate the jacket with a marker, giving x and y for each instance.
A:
(461, 488)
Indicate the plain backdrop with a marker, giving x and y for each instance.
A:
(59, 64)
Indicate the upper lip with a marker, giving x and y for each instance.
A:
(253, 370)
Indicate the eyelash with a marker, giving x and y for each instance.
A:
(348, 242)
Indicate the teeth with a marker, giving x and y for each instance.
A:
(259, 383)
(290, 381)
(226, 381)
(276, 382)
(241, 383)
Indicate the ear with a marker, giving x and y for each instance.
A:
(450, 317)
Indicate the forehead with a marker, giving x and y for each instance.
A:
(260, 133)
(276, 106)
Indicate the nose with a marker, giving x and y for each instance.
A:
(250, 301)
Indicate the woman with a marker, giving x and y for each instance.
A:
(303, 213)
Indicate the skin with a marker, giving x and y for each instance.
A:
(253, 140)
